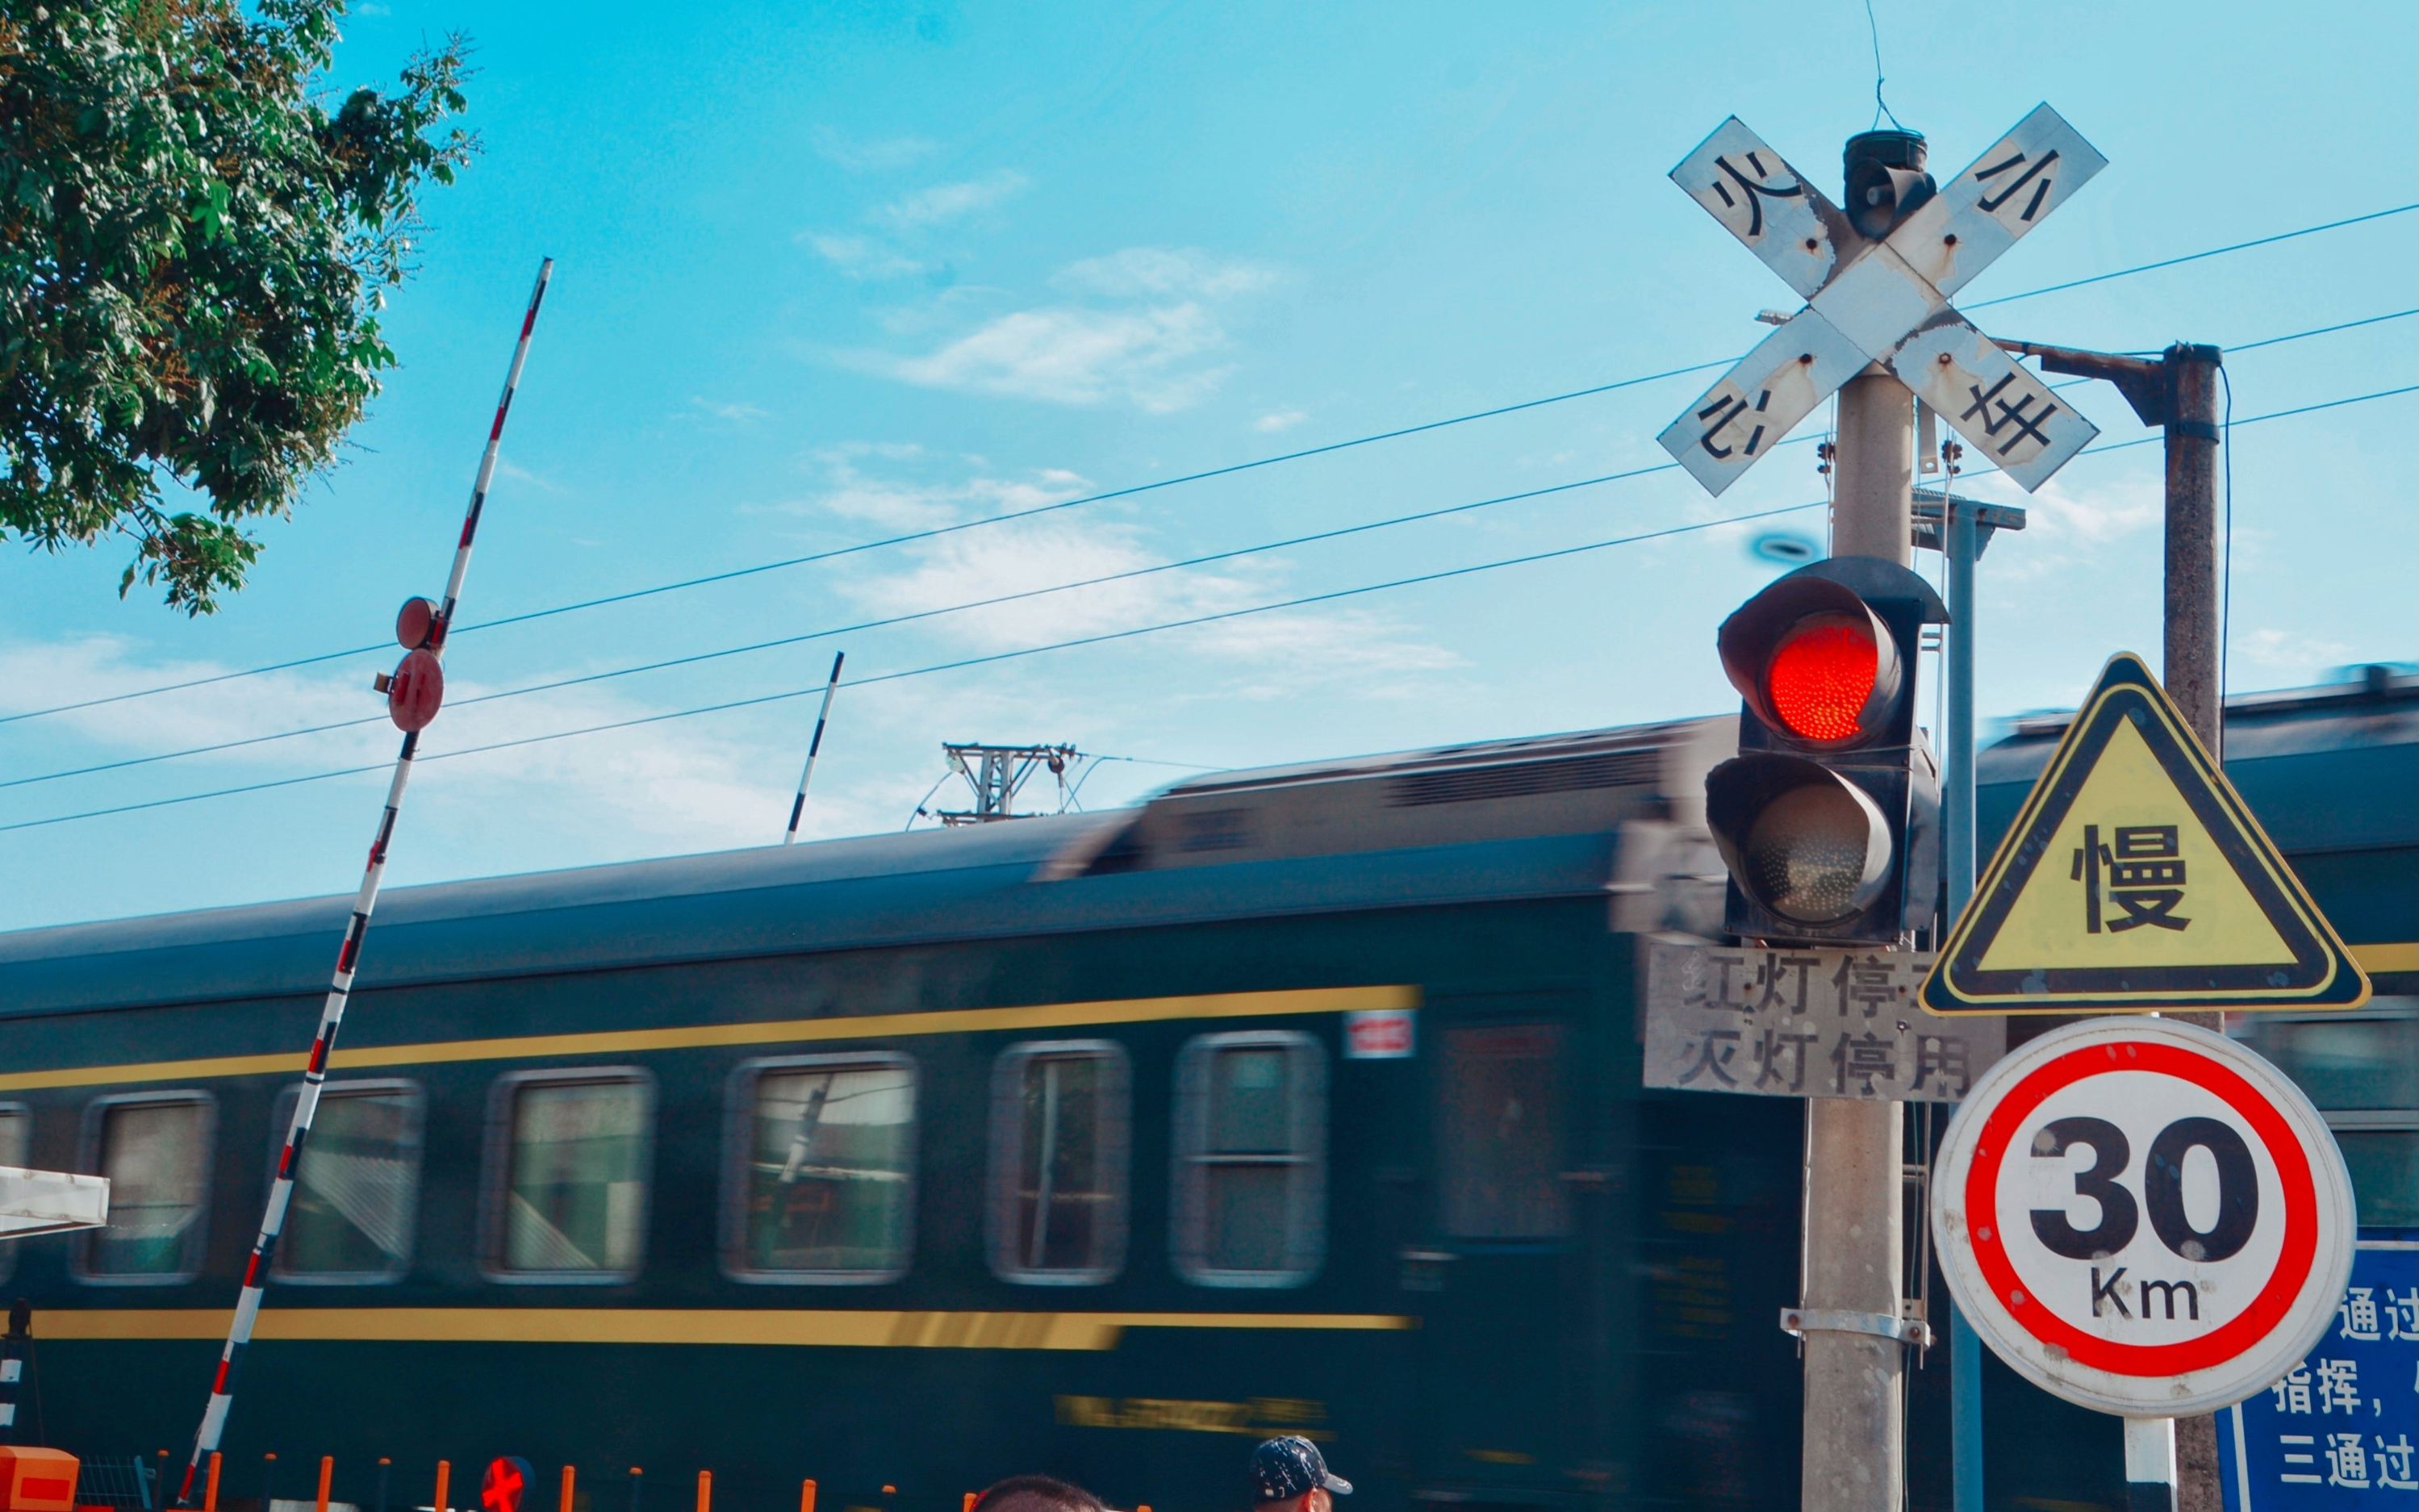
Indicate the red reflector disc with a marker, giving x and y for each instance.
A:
(1820, 676)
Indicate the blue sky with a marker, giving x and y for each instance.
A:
(827, 272)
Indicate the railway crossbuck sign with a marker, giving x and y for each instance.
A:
(1883, 301)
(2136, 879)
(2143, 1217)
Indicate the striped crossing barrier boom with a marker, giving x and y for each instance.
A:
(331, 1016)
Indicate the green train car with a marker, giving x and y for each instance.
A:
(1301, 1100)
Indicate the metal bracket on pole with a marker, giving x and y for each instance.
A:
(1799, 1321)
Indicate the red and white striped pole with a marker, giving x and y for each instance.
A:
(331, 1015)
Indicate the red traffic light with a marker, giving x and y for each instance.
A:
(1821, 677)
(1815, 663)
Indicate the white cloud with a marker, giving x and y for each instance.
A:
(1279, 419)
(1261, 655)
(862, 257)
(942, 203)
(676, 784)
(1141, 272)
(1072, 356)
(2272, 647)
(871, 155)
(1147, 319)
(921, 500)
(737, 411)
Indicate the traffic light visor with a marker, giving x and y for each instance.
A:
(1814, 662)
(1800, 841)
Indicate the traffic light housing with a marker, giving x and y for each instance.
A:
(1829, 816)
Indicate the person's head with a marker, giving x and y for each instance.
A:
(1289, 1475)
(1036, 1493)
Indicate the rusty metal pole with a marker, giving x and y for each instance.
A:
(2179, 393)
(1853, 1458)
(2190, 670)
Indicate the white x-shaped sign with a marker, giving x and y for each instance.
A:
(1883, 301)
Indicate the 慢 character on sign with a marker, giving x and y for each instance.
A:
(1944, 1056)
(2347, 1461)
(2015, 416)
(1714, 1051)
(2294, 1391)
(1776, 1049)
(2339, 1385)
(1865, 984)
(2142, 874)
(1770, 973)
(2035, 172)
(1753, 191)
(1722, 412)
(2394, 1463)
(2402, 1314)
(2359, 1313)
(1864, 1057)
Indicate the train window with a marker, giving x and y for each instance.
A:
(358, 1190)
(1251, 1157)
(155, 1148)
(16, 1135)
(821, 1185)
(2362, 1070)
(1500, 1133)
(567, 1177)
(1058, 1162)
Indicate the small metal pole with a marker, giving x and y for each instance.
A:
(327, 1474)
(385, 1465)
(268, 1482)
(444, 1474)
(807, 1495)
(1957, 830)
(2150, 1464)
(636, 1482)
(564, 1503)
(815, 747)
(210, 1491)
(705, 1490)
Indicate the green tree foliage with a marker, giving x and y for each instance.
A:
(194, 248)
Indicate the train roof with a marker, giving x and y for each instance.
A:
(1489, 821)
(2364, 731)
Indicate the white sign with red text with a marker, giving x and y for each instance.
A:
(2143, 1217)
(1381, 1034)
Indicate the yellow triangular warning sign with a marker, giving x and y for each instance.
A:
(2134, 879)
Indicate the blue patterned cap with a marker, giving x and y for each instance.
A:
(1283, 1468)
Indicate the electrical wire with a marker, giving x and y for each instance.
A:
(996, 600)
(1106, 636)
(1230, 469)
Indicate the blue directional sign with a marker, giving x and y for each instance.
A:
(2341, 1432)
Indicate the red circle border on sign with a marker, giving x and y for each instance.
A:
(2293, 1260)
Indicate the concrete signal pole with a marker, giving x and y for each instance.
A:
(1853, 1458)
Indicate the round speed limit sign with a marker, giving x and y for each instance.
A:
(2143, 1217)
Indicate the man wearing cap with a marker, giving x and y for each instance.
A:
(1288, 1476)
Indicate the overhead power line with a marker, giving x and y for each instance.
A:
(890, 621)
(1230, 469)
(1105, 636)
